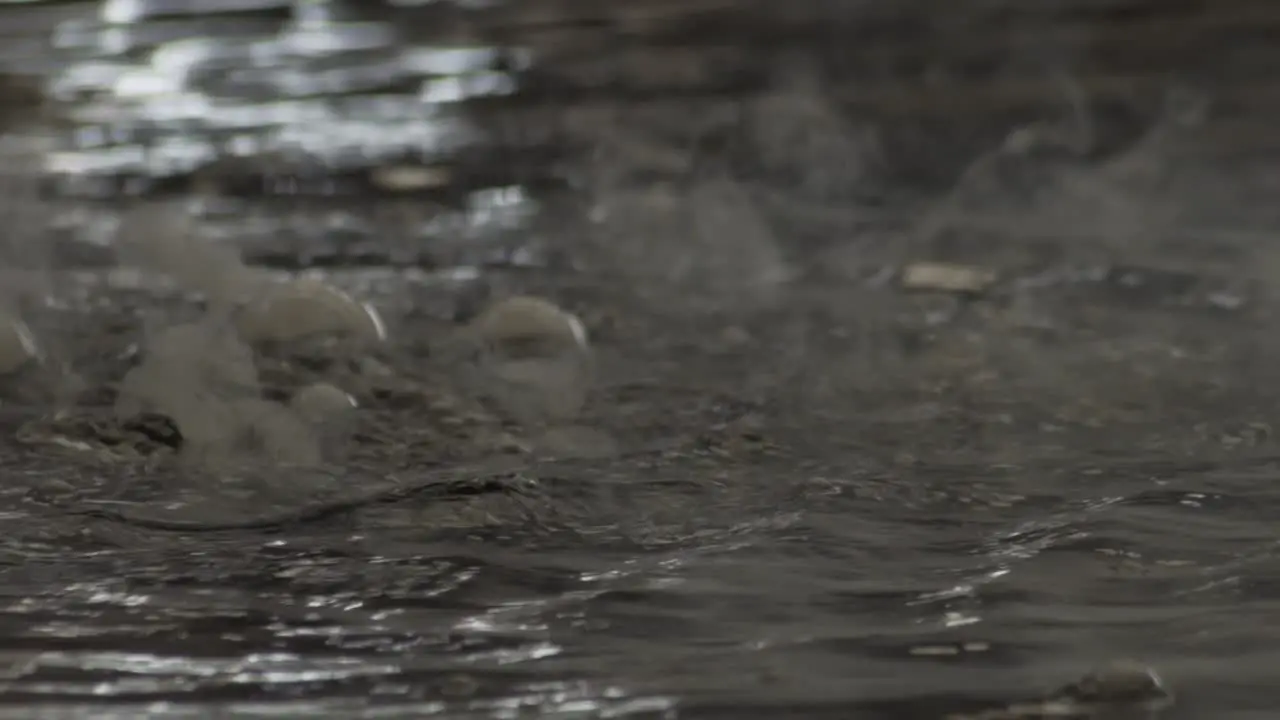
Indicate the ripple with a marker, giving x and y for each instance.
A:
(425, 134)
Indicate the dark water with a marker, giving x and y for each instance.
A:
(935, 503)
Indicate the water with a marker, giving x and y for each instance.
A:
(799, 490)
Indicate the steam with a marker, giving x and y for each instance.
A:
(24, 261)
(202, 374)
(17, 343)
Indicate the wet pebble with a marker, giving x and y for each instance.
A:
(947, 277)
(409, 178)
(1118, 689)
(1120, 681)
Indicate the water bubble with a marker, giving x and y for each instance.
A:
(534, 358)
(525, 319)
(321, 402)
(308, 307)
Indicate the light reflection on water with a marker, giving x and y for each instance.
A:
(301, 100)
(337, 92)
(387, 670)
(297, 654)
(566, 703)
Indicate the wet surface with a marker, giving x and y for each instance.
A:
(896, 362)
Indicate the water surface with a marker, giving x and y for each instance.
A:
(914, 504)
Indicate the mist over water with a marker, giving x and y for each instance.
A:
(653, 359)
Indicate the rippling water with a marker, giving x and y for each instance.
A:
(933, 505)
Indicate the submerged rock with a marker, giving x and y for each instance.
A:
(1118, 690)
(1120, 681)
